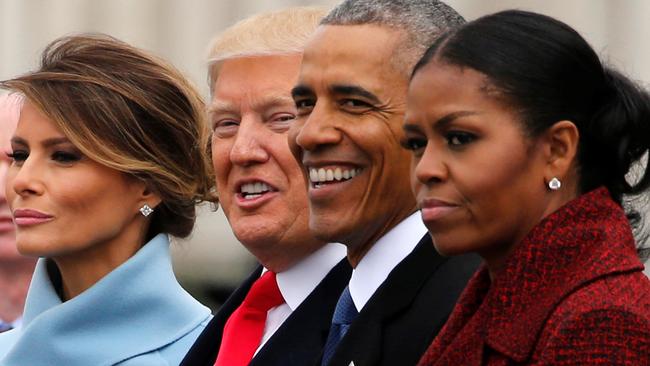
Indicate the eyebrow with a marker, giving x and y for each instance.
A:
(341, 89)
(46, 143)
(354, 90)
(301, 91)
(441, 123)
(446, 120)
(261, 104)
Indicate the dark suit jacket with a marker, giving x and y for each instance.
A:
(571, 293)
(401, 319)
(298, 341)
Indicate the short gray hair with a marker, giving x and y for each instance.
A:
(422, 21)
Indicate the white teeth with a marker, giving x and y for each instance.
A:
(252, 190)
(328, 175)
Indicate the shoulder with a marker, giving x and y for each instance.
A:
(607, 321)
(171, 354)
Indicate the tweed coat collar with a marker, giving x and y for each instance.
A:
(585, 240)
(137, 308)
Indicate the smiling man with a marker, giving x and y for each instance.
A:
(281, 314)
(351, 103)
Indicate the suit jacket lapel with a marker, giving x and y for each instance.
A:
(301, 337)
(396, 294)
(206, 348)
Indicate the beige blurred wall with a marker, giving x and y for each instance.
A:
(179, 30)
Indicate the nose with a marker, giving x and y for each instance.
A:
(430, 168)
(319, 129)
(249, 145)
(25, 180)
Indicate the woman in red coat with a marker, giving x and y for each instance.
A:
(522, 140)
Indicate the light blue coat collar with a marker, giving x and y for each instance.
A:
(137, 308)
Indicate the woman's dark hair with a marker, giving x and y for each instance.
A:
(549, 73)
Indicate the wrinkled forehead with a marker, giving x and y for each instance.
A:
(351, 54)
(255, 80)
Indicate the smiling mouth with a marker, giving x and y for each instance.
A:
(253, 190)
(321, 176)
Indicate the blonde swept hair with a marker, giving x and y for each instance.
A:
(279, 32)
(129, 111)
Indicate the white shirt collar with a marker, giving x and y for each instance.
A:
(383, 257)
(297, 282)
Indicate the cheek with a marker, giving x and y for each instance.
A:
(221, 162)
(493, 171)
(278, 148)
(9, 191)
(416, 185)
(89, 198)
(288, 176)
(499, 192)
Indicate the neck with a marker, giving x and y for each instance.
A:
(496, 257)
(82, 269)
(15, 276)
(358, 247)
(278, 258)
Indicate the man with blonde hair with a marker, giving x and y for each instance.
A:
(281, 314)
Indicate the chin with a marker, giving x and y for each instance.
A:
(450, 248)
(34, 246)
(326, 231)
(256, 235)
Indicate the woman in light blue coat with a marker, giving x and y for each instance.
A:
(109, 159)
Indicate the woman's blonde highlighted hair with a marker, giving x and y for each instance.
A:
(132, 112)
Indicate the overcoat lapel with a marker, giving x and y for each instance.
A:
(366, 341)
(136, 309)
(206, 348)
(302, 336)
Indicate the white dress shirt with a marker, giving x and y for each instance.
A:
(298, 282)
(383, 257)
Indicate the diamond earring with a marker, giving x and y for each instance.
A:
(554, 184)
(145, 210)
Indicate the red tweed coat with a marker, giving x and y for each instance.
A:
(572, 293)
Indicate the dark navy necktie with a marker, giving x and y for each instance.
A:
(344, 314)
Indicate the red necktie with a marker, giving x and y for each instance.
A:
(243, 331)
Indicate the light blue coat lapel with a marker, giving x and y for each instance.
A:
(136, 309)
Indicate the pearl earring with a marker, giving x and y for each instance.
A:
(554, 184)
(145, 210)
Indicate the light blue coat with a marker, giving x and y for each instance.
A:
(137, 315)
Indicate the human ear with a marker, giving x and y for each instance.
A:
(561, 147)
(144, 195)
(150, 197)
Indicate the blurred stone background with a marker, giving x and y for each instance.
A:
(211, 262)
